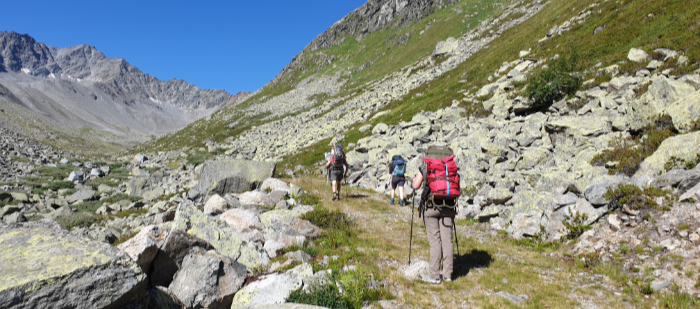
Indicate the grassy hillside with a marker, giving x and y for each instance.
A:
(642, 24)
(379, 48)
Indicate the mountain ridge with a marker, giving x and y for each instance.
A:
(79, 88)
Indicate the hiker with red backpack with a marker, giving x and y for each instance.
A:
(397, 177)
(440, 181)
(335, 169)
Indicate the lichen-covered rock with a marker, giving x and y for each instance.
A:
(685, 146)
(269, 289)
(226, 175)
(43, 266)
(207, 279)
(286, 215)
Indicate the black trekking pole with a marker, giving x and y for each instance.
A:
(410, 240)
(459, 256)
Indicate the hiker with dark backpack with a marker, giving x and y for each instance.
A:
(335, 169)
(439, 177)
(397, 177)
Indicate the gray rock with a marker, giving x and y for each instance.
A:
(139, 158)
(78, 176)
(9, 209)
(689, 182)
(61, 211)
(274, 184)
(566, 199)
(256, 198)
(298, 256)
(277, 196)
(637, 55)
(19, 197)
(658, 285)
(596, 191)
(170, 255)
(269, 289)
(227, 175)
(142, 248)
(97, 172)
(14, 218)
(76, 272)
(216, 205)
(380, 128)
(82, 194)
(207, 279)
(242, 220)
(670, 178)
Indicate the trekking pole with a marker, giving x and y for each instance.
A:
(410, 240)
(459, 256)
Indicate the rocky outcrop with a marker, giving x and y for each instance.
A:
(226, 175)
(44, 266)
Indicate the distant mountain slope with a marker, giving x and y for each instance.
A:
(80, 88)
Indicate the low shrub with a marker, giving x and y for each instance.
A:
(630, 153)
(633, 197)
(554, 82)
(680, 300)
(325, 296)
(308, 199)
(575, 224)
(329, 219)
(80, 219)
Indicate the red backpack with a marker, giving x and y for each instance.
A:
(442, 178)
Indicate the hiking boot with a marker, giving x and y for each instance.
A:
(429, 280)
(401, 203)
(445, 279)
(334, 197)
(391, 202)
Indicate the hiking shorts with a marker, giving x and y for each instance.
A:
(337, 174)
(397, 181)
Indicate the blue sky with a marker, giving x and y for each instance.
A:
(231, 45)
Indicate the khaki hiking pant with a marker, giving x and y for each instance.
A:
(438, 225)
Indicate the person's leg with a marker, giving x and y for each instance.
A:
(401, 192)
(447, 248)
(433, 231)
(393, 190)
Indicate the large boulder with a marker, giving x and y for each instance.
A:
(226, 175)
(685, 146)
(268, 289)
(44, 266)
(170, 255)
(207, 279)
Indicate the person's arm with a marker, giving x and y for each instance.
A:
(417, 181)
(347, 168)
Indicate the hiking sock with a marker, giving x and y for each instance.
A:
(391, 202)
